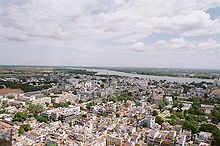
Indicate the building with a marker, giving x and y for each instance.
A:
(149, 120)
(65, 114)
(181, 140)
(114, 140)
(169, 99)
(205, 137)
(6, 127)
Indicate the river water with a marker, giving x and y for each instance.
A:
(152, 77)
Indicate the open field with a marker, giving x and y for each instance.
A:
(5, 91)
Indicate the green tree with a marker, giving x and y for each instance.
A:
(162, 105)
(191, 125)
(21, 131)
(196, 108)
(42, 118)
(154, 113)
(146, 125)
(215, 132)
(35, 109)
(159, 120)
(10, 97)
(90, 104)
(24, 128)
(20, 117)
(61, 104)
(216, 115)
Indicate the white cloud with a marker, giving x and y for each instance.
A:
(121, 20)
(109, 25)
(138, 47)
(183, 45)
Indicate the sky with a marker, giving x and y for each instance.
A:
(123, 33)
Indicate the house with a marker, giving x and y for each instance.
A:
(169, 139)
(34, 136)
(204, 144)
(114, 140)
(6, 127)
(149, 120)
(169, 99)
(26, 99)
(152, 135)
(181, 140)
(205, 137)
(188, 135)
(65, 114)
(207, 108)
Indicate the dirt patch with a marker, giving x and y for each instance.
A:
(5, 91)
(216, 92)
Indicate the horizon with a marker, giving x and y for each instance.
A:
(108, 67)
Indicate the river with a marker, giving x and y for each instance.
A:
(152, 77)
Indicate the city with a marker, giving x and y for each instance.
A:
(109, 72)
(72, 107)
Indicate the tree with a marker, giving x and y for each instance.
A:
(102, 86)
(24, 128)
(90, 104)
(214, 130)
(42, 118)
(159, 120)
(10, 97)
(61, 104)
(21, 131)
(196, 108)
(35, 109)
(162, 105)
(137, 103)
(216, 115)
(146, 125)
(155, 113)
(191, 125)
(20, 117)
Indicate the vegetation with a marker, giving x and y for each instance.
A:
(20, 117)
(154, 113)
(176, 102)
(24, 128)
(194, 116)
(176, 118)
(25, 87)
(191, 125)
(76, 71)
(203, 74)
(103, 114)
(123, 97)
(216, 115)
(159, 120)
(90, 104)
(196, 108)
(35, 109)
(10, 97)
(145, 125)
(61, 104)
(162, 104)
(43, 118)
(215, 132)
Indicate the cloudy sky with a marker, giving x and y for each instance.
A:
(144, 33)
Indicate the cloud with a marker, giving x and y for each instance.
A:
(182, 44)
(138, 47)
(99, 20)
(116, 26)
